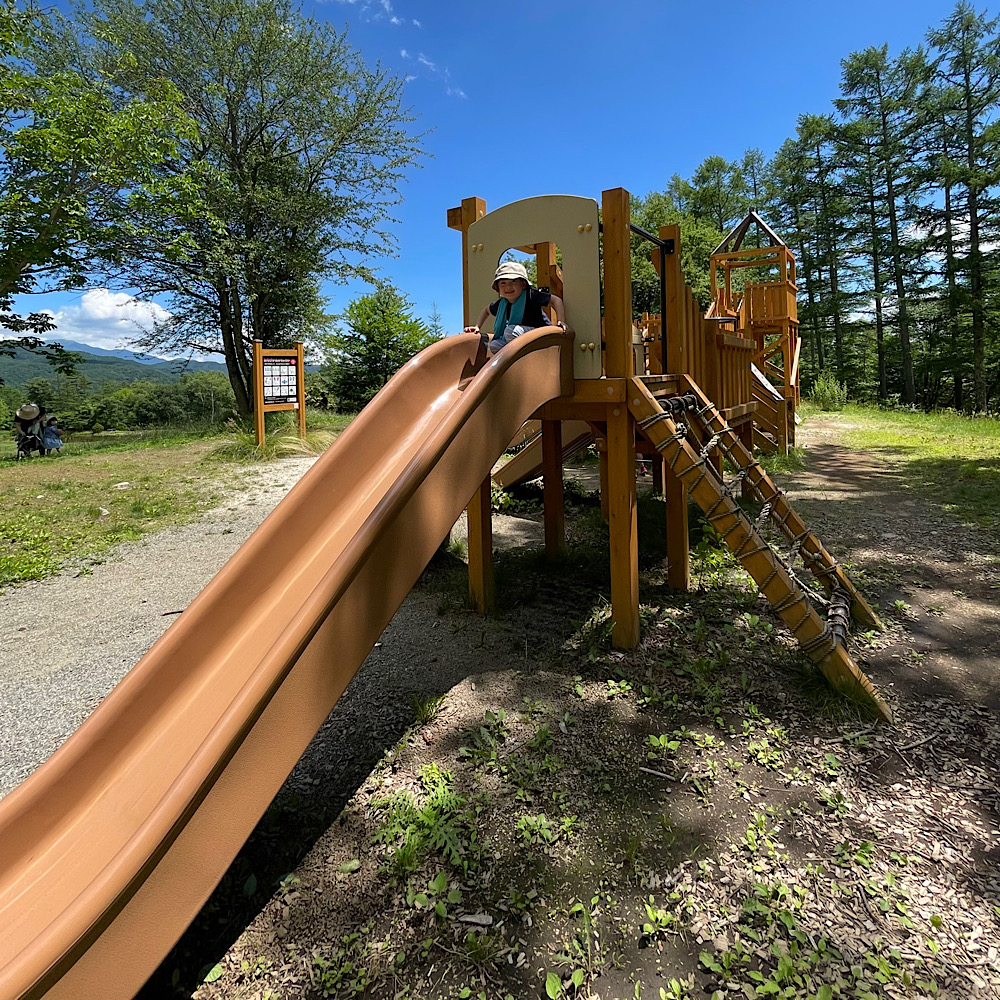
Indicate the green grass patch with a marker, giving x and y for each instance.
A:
(951, 459)
(70, 509)
(281, 437)
(119, 485)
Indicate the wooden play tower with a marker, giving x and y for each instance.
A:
(763, 310)
(687, 397)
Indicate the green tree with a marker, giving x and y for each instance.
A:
(719, 192)
(885, 93)
(818, 138)
(967, 67)
(206, 396)
(378, 336)
(434, 325)
(867, 230)
(68, 147)
(289, 181)
(793, 210)
(40, 391)
(698, 239)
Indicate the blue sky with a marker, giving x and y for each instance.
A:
(567, 97)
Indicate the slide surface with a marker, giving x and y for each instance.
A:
(110, 849)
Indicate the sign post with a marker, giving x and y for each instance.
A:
(279, 383)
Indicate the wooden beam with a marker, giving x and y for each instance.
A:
(258, 391)
(676, 360)
(479, 511)
(623, 528)
(678, 551)
(480, 520)
(618, 360)
(552, 491)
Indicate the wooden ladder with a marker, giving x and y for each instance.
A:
(775, 581)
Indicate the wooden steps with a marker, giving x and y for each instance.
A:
(781, 589)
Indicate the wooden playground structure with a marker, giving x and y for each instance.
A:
(696, 390)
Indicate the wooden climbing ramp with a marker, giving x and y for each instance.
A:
(819, 640)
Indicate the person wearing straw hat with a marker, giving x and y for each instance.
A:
(28, 428)
(519, 307)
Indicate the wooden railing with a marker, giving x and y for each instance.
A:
(733, 385)
(767, 302)
(718, 360)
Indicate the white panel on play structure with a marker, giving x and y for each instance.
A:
(572, 224)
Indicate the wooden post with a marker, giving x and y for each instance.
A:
(621, 426)
(300, 366)
(624, 536)
(675, 361)
(602, 455)
(678, 552)
(480, 520)
(258, 391)
(552, 497)
(745, 433)
(618, 361)
(479, 511)
(461, 218)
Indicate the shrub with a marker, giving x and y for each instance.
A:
(828, 393)
(97, 428)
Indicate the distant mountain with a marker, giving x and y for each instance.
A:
(121, 352)
(107, 366)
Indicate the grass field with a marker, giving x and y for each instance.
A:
(954, 459)
(69, 509)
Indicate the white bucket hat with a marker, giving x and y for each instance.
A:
(510, 269)
(28, 411)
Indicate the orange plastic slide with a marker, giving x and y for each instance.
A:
(110, 849)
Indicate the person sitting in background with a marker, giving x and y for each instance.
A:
(29, 427)
(52, 437)
(519, 307)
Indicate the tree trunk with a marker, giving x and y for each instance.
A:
(230, 327)
(975, 259)
(958, 394)
(902, 316)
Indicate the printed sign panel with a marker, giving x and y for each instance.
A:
(280, 381)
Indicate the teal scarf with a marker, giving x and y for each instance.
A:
(509, 315)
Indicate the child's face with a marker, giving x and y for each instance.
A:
(511, 288)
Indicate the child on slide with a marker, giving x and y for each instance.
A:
(519, 308)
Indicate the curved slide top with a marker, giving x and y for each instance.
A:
(110, 849)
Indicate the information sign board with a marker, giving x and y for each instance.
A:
(278, 384)
(281, 383)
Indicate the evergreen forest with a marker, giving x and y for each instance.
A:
(889, 201)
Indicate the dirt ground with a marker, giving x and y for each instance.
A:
(517, 810)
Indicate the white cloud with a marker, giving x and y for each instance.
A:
(416, 23)
(441, 72)
(106, 319)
